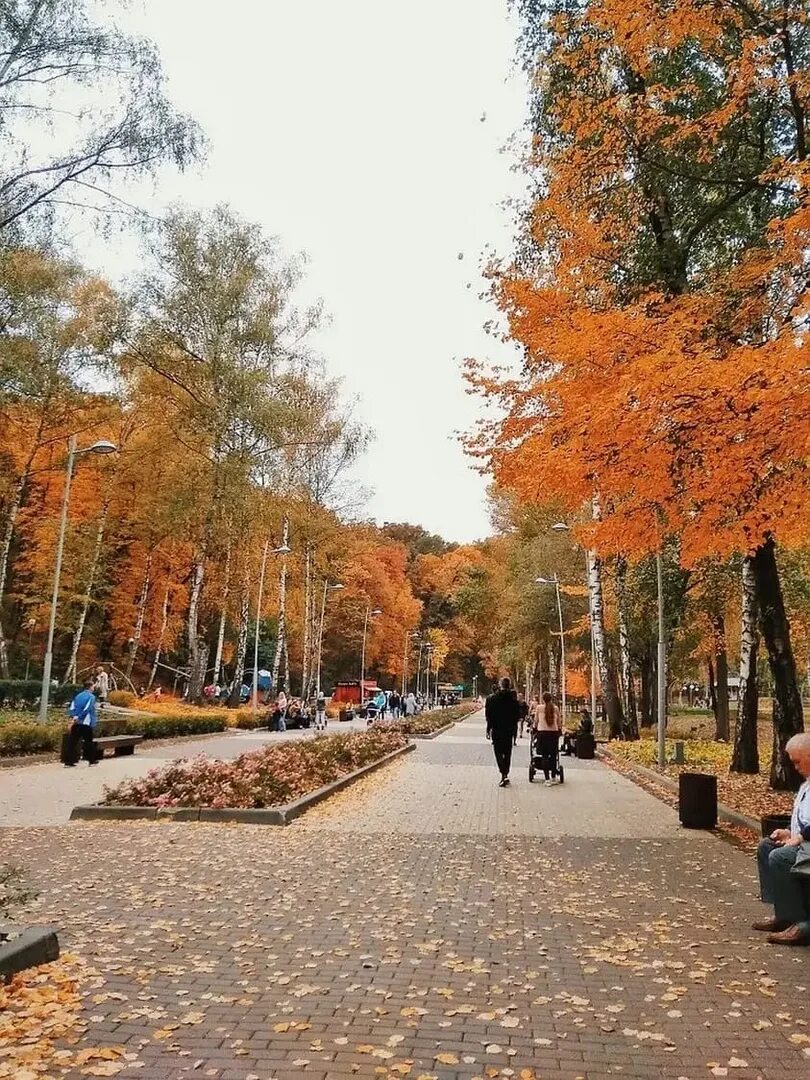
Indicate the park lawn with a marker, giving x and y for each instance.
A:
(746, 794)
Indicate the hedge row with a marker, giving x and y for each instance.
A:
(427, 722)
(25, 693)
(29, 737)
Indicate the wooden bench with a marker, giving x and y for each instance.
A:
(122, 745)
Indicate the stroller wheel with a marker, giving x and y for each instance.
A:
(531, 774)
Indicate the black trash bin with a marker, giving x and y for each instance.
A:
(697, 800)
(586, 747)
(769, 822)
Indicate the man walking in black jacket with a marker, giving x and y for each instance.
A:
(503, 714)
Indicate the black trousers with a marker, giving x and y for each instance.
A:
(80, 733)
(502, 745)
(547, 747)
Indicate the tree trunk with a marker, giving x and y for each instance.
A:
(604, 664)
(5, 554)
(241, 644)
(647, 676)
(712, 688)
(196, 677)
(305, 665)
(721, 712)
(630, 730)
(138, 630)
(70, 671)
(745, 758)
(281, 636)
(788, 719)
(164, 622)
(223, 617)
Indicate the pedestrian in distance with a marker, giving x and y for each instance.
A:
(547, 735)
(83, 721)
(320, 712)
(502, 714)
(394, 703)
(524, 713)
(410, 705)
(102, 685)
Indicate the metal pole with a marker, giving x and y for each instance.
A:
(593, 678)
(46, 669)
(662, 664)
(405, 663)
(31, 626)
(363, 658)
(562, 645)
(320, 639)
(588, 562)
(256, 641)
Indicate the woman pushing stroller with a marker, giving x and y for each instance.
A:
(546, 730)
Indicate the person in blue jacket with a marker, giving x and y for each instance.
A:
(85, 718)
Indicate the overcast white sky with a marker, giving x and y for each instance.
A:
(353, 131)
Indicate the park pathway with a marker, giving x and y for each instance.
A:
(426, 923)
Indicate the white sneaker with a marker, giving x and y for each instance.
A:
(548, 783)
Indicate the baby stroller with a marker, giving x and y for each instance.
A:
(545, 755)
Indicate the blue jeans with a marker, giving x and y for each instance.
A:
(788, 892)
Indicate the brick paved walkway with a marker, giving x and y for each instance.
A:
(426, 923)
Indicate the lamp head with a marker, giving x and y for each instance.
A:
(337, 585)
(543, 581)
(285, 549)
(560, 526)
(103, 446)
(376, 611)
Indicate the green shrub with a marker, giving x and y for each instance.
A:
(125, 699)
(29, 737)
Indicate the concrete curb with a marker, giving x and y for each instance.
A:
(435, 734)
(38, 945)
(734, 817)
(275, 815)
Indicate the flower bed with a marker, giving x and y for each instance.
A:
(747, 794)
(272, 776)
(428, 722)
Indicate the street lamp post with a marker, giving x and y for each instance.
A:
(100, 447)
(31, 624)
(429, 653)
(555, 581)
(326, 589)
(282, 550)
(662, 663)
(370, 613)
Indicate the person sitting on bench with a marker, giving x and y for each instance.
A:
(784, 862)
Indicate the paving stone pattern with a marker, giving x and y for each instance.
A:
(426, 923)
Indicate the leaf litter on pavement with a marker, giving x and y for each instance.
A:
(208, 933)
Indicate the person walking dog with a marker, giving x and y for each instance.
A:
(503, 713)
(84, 719)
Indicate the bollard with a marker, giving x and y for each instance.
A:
(679, 758)
(585, 747)
(697, 800)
